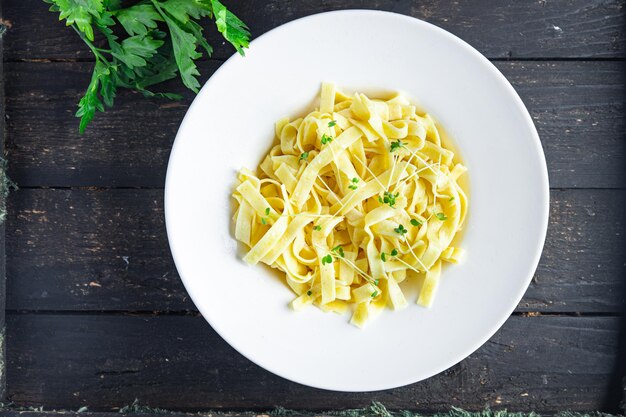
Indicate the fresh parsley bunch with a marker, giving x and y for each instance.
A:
(162, 37)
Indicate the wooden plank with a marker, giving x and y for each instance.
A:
(157, 413)
(578, 108)
(274, 412)
(179, 363)
(528, 28)
(3, 27)
(107, 250)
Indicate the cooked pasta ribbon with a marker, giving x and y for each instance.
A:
(352, 200)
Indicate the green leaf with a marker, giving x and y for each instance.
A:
(108, 86)
(112, 4)
(196, 29)
(184, 45)
(138, 19)
(182, 10)
(396, 145)
(90, 102)
(234, 30)
(136, 49)
(159, 68)
(80, 13)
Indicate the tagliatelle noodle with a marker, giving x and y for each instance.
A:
(352, 200)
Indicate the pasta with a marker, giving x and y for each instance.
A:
(353, 199)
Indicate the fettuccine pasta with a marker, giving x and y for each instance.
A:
(353, 199)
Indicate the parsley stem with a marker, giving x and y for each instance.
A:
(91, 46)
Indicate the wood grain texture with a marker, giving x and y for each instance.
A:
(157, 413)
(67, 361)
(524, 28)
(2, 228)
(107, 250)
(578, 108)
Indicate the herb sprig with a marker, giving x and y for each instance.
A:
(388, 198)
(396, 145)
(147, 43)
(400, 230)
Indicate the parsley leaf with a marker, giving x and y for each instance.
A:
(138, 19)
(78, 12)
(152, 52)
(134, 51)
(184, 44)
(234, 30)
(183, 10)
(90, 102)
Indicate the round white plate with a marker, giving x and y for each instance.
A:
(230, 125)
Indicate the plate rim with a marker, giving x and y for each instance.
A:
(542, 170)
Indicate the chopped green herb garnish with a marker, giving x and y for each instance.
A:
(388, 198)
(352, 187)
(339, 250)
(318, 228)
(263, 220)
(400, 229)
(376, 281)
(355, 180)
(451, 198)
(416, 222)
(441, 216)
(394, 252)
(396, 145)
(326, 139)
(332, 123)
(328, 259)
(309, 293)
(304, 156)
(267, 211)
(375, 293)
(383, 256)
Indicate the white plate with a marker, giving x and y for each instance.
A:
(230, 125)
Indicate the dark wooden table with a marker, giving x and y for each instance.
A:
(97, 316)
